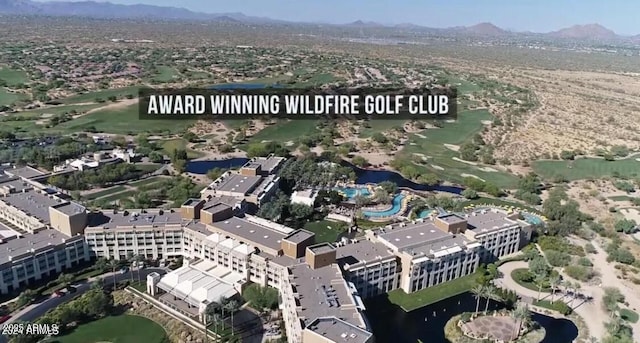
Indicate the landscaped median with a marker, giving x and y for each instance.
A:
(431, 295)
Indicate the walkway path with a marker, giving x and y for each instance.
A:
(591, 312)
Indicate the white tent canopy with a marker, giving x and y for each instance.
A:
(196, 286)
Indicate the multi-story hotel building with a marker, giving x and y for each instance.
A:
(320, 285)
(255, 182)
(428, 255)
(40, 233)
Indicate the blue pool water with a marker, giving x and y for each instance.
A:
(425, 213)
(351, 192)
(395, 209)
(532, 219)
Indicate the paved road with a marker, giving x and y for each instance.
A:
(34, 311)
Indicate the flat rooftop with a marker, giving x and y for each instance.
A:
(22, 246)
(110, 220)
(251, 233)
(14, 183)
(488, 220)
(362, 251)
(412, 234)
(308, 193)
(299, 236)
(321, 248)
(324, 293)
(7, 233)
(33, 203)
(24, 172)
(338, 330)
(267, 164)
(222, 199)
(235, 183)
(71, 208)
(451, 218)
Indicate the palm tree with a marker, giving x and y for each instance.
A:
(539, 282)
(130, 260)
(232, 306)
(522, 315)
(208, 312)
(554, 282)
(217, 318)
(101, 264)
(491, 293)
(139, 259)
(478, 292)
(113, 264)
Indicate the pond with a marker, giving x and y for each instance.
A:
(202, 167)
(392, 324)
(364, 176)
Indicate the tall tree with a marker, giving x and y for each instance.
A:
(113, 264)
(522, 315)
(539, 281)
(554, 282)
(491, 293)
(478, 292)
(232, 306)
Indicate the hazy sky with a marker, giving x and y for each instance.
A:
(520, 15)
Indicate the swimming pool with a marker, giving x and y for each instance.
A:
(532, 219)
(426, 213)
(351, 192)
(396, 206)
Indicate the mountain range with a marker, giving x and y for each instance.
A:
(106, 10)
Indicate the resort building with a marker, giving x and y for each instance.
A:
(153, 234)
(40, 233)
(428, 255)
(500, 233)
(306, 197)
(255, 182)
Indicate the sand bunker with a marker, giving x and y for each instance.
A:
(486, 122)
(452, 147)
(450, 120)
(421, 136)
(473, 176)
(436, 167)
(488, 169)
(463, 161)
(289, 143)
(631, 213)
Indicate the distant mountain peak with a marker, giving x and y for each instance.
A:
(594, 30)
(485, 29)
(360, 23)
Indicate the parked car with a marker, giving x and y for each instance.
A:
(58, 294)
(124, 270)
(4, 318)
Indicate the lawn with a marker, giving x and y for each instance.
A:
(499, 202)
(629, 315)
(124, 121)
(165, 74)
(119, 196)
(456, 133)
(323, 232)
(12, 76)
(587, 168)
(375, 126)
(529, 285)
(118, 329)
(7, 98)
(102, 94)
(431, 295)
(146, 182)
(285, 130)
(105, 192)
(172, 144)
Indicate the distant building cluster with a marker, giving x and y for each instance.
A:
(321, 285)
